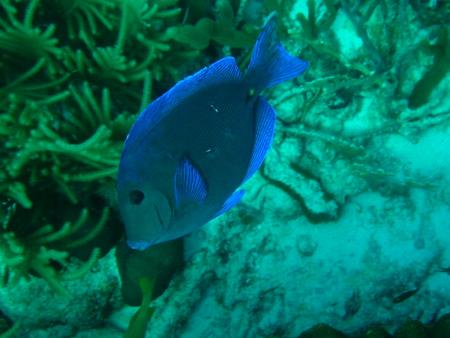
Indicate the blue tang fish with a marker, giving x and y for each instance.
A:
(190, 150)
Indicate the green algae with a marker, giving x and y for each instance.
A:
(139, 321)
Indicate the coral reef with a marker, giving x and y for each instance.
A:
(341, 206)
(40, 311)
(327, 124)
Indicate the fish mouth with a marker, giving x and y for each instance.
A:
(143, 245)
(139, 245)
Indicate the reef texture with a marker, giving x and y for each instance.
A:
(346, 223)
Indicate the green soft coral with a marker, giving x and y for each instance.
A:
(39, 252)
(222, 29)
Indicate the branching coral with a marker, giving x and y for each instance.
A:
(22, 38)
(39, 252)
(85, 17)
(359, 14)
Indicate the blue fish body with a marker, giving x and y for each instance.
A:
(191, 149)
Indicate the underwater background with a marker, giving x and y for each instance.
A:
(344, 231)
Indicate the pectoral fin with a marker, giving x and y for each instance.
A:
(189, 184)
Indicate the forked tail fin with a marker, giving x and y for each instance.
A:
(270, 63)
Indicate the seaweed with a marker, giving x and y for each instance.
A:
(312, 25)
(431, 12)
(139, 321)
(221, 29)
(435, 74)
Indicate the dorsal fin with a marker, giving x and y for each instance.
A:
(264, 130)
(219, 72)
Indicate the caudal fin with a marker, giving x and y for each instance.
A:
(270, 63)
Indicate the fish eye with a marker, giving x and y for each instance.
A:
(136, 197)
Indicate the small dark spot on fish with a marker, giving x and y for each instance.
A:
(404, 296)
(136, 197)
